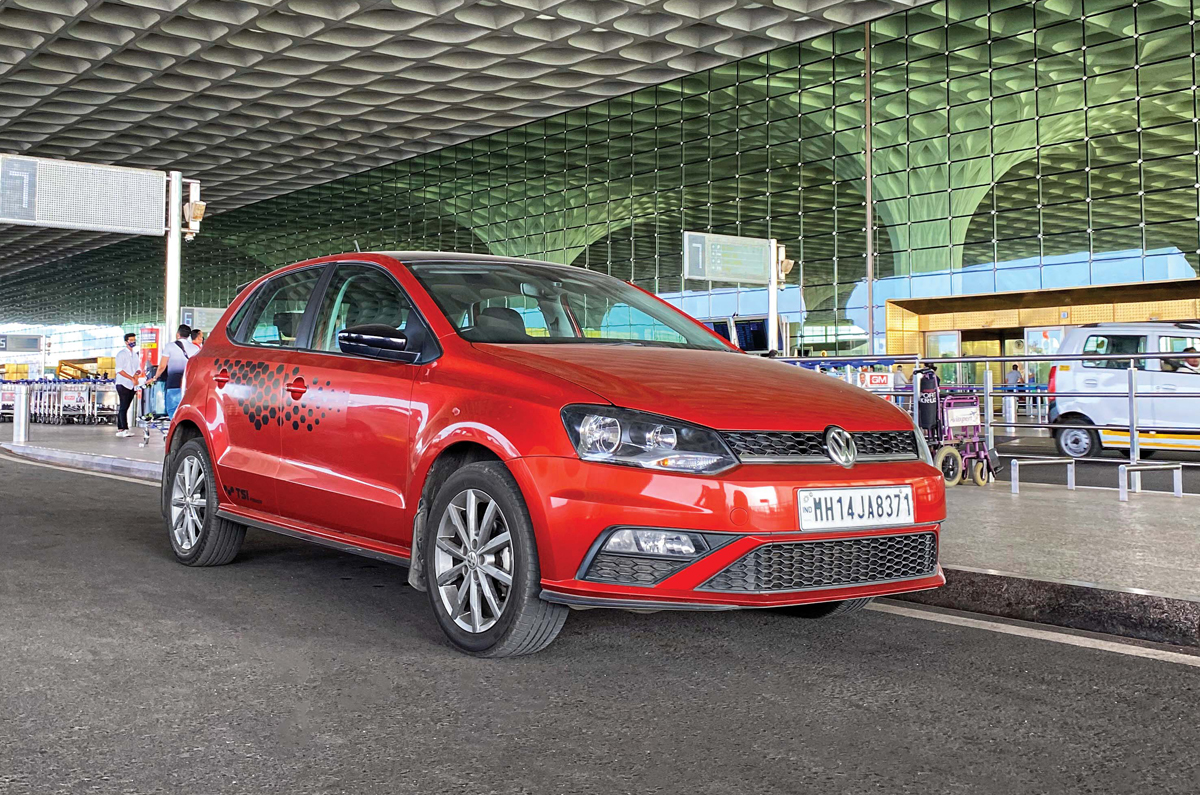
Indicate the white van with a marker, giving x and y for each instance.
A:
(1155, 376)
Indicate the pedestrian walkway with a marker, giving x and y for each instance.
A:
(92, 447)
(1086, 536)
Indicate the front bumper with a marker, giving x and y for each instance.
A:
(573, 504)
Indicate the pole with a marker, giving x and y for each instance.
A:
(1134, 451)
(773, 300)
(870, 214)
(174, 251)
(990, 432)
(916, 404)
(21, 415)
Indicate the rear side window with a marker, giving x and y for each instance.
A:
(1106, 344)
(1184, 364)
(275, 311)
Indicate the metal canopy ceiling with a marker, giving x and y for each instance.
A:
(258, 98)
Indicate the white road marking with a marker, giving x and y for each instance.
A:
(19, 460)
(1066, 638)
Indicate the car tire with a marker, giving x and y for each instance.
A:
(949, 461)
(466, 550)
(1075, 442)
(198, 536)
(826, 609)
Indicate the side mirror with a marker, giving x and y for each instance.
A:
(376, 341)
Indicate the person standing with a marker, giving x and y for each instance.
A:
(198, 338)
(900, 381)
(129, 370)
(172, 365)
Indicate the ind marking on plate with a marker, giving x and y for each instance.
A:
(726, 258)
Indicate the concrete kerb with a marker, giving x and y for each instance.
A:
(91, 462)
(1129, 613)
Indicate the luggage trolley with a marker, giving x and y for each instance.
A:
(74, 402)
(8, 400)
(152, 415)
(105, 402)
(953, 427)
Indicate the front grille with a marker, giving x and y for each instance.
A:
(777, 445)
(838, 563)
(628, 570)
(886, 443)
(748, 444)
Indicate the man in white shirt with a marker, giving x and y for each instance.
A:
(129, 370)
(172, 365)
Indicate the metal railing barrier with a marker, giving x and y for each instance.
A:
(1134, 393)
(1136, 470)
(1017, 463)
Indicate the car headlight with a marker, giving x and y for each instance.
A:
(634, 438)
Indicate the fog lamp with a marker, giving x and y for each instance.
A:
(667, 543)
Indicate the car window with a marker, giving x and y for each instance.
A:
(1106, 344)
(357, 295)
(525, 303)
(612, 319)
(1184, 364)
(278, 307)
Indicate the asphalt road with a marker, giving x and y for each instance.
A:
(303, 670)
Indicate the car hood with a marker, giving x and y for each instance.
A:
(723, 390)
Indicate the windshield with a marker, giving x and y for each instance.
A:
(520, 303)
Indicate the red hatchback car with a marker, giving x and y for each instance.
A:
(530, 437)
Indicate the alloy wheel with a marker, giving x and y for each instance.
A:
(189, 503)
(473, 561)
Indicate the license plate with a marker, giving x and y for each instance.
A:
(852, 509)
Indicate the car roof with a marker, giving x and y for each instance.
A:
(1145, 327)
(413, 257)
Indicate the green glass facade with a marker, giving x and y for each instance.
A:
(1013, 146)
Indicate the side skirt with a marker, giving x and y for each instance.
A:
(341, 546)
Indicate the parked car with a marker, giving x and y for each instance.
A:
(528, 438)
(1162, 416)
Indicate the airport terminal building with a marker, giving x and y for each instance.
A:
(998, 169)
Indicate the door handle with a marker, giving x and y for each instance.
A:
(1167, 388)
(221, 378)
(297, 388)
(1091, 382)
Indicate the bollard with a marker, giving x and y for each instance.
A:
(21, 415)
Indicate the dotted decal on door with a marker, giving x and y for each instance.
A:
(260, 393)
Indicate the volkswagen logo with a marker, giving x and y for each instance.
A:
(840, 446)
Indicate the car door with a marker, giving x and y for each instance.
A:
(346, 423)
(1108, 381)
(1176, 377)
(245, 376)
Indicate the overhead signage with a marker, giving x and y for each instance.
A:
(20, 343)
(727, 258)
(61, 194)
(201, 317)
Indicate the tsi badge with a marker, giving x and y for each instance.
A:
(840, 446)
